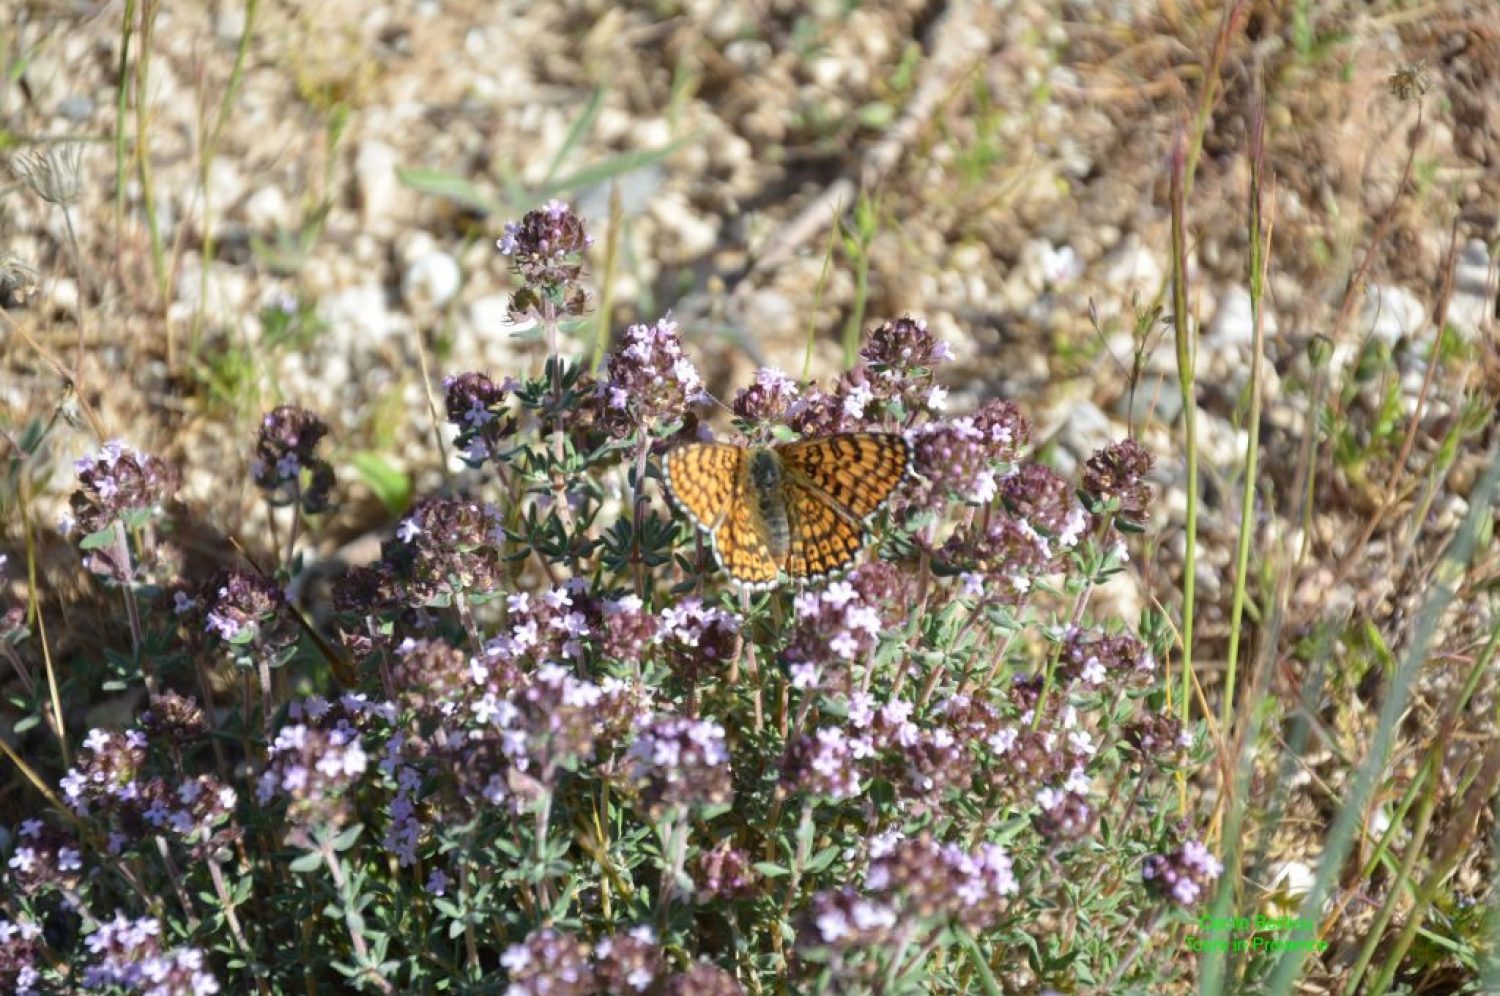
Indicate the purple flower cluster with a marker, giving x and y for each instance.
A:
(433, 676)
(651, 381)
(106, 768)
(21, 947)
(846, 918)
(1045, 500)
(1115, 477)
(106, 783)
(1031, 763)
(626, 630)
(698, 639)
(913, 884)
(631, 962)
(943, 880)
(963, 458)
(1096, 659)
(545, 248)
(174, 719)
(680, 764)
(1182, 875)
(768, 399)
(1064, 813)
(1155, 740)
(839, 626)
(826, 763)
(493, 737)
(817, 413)
(902, 356)
(552, 626)
(551, 962)
(45, 858)
(129, 954)
(724, 872)
(119, 482)
(364, 598)
(894, 382)
(923, 762)
(242, 610)
(284, 451)
(446, 548)
(318, 758)
(476, 407)
(559, 719)
(997, 556)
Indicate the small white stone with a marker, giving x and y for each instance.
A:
(375, 172)
(430, 281)
(1293, 878)
(1131, 267)
(1474, 282)
(693, 234)
(64, 296)
(358, 315)
(267, 210)
(490, 313)
(1390, 312)
(229, 25)
(1233, 323)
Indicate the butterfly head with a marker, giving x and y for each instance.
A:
(765, 470)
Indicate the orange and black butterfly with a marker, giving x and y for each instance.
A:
(797, 508)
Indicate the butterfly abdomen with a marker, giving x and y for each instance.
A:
(766, 486)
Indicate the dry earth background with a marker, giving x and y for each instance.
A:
(326, 216)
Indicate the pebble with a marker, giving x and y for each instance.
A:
(76, 107)
(1129, 268)
(1390, 312)
(1233, 323)
(358, 315)
(267, 210)
(1474, 291)
(380, 193)
(431, 280)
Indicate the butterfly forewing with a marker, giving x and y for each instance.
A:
(857, 470)
(824, 540)
(704, 477)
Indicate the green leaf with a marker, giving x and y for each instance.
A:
(308, 862)
(579, 128)
(824, 858)
(95, 541)
(449, 185)
(771, 869)
(346, 840)
(625, 162)
(392, 486)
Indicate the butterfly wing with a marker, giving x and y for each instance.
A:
(740, 545)
(824, 539)
(857, 471)
(702, 478)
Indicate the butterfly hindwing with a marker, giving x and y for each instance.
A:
(741, 547)
(824, 540)
(859, 471)
(704, 478)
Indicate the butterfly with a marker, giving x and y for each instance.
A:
(800, 508)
